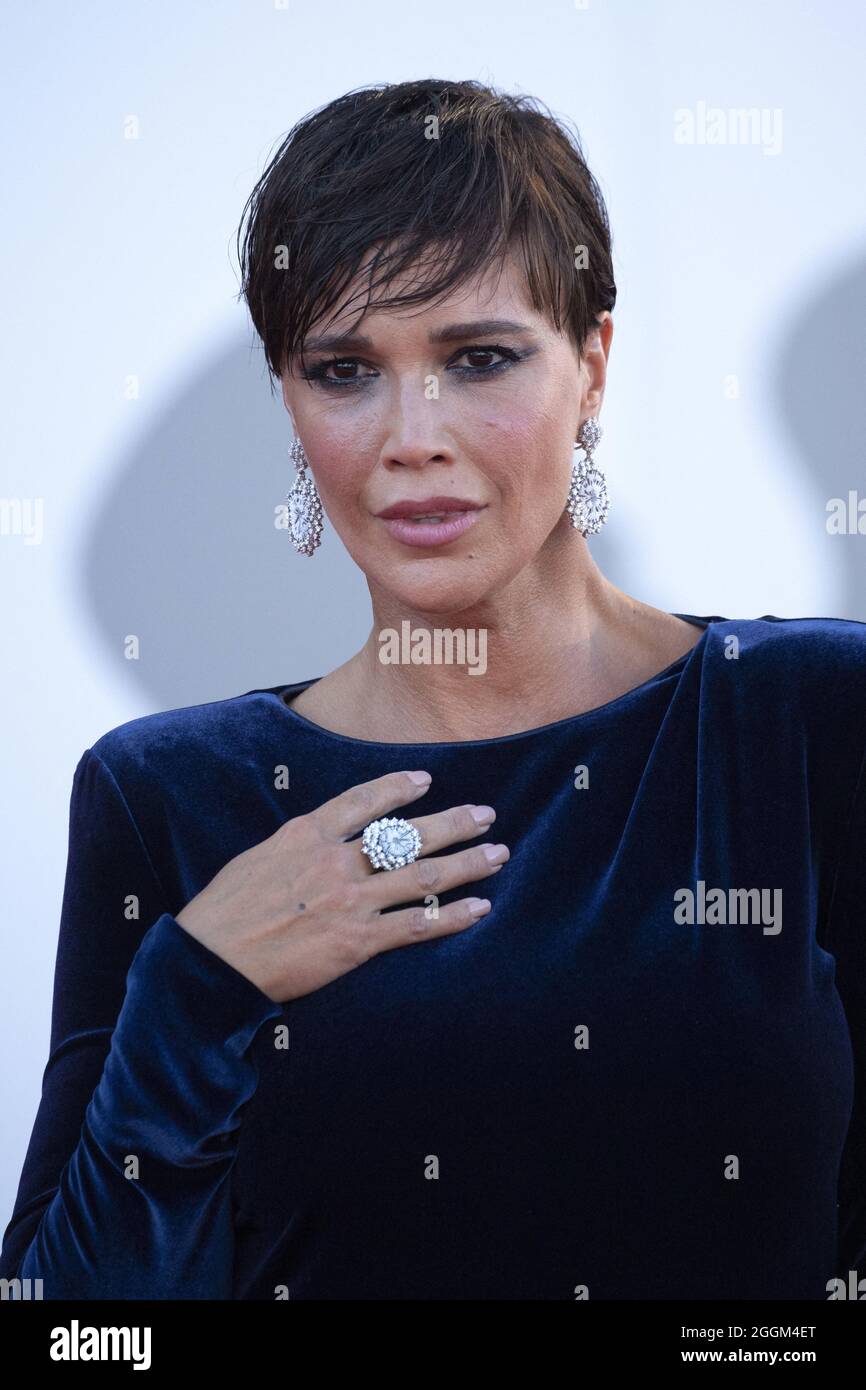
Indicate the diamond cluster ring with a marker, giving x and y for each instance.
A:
(390, 843)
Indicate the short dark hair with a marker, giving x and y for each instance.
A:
(444, 198)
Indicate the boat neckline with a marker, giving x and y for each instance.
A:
(279, 693)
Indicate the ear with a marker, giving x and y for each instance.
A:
(596, 357)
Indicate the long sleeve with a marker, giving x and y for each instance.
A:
(845, 938)
(125, 1190)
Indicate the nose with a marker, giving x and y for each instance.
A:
(414, 455)
(416, 432)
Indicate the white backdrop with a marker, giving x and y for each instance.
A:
(144, 455)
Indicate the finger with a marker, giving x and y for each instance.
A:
(348, 812)
(413, 924)
(451, 826)
(446, 828)
(384, 888)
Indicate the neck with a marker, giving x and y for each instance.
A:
(539, 649)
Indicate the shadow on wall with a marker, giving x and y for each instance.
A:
(820, 388)
(185, 555)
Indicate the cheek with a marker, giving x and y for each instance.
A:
(339, 461)
(527, 454)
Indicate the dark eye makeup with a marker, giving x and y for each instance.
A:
(316, 373)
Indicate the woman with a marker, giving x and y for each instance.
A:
(312, 1036)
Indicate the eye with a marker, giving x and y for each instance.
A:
(341, 365)
(346, 377)
(477, 368)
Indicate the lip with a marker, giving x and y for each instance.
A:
(430, 533)
(427, 506)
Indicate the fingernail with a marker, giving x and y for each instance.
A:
(420, 778)
(478, 906)
(483, 815)
(496, 854)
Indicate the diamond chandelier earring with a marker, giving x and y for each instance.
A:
(306, 518)
(588, 503)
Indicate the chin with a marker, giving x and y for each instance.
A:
(431, 593)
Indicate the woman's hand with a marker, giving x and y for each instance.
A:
(303, 907)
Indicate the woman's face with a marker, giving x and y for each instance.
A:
(439, 401)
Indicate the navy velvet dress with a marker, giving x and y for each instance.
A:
(596, 1091)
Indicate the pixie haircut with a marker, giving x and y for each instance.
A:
(436, 181)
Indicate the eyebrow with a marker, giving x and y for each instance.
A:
(452, 332)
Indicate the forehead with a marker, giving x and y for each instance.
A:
(499, 290)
